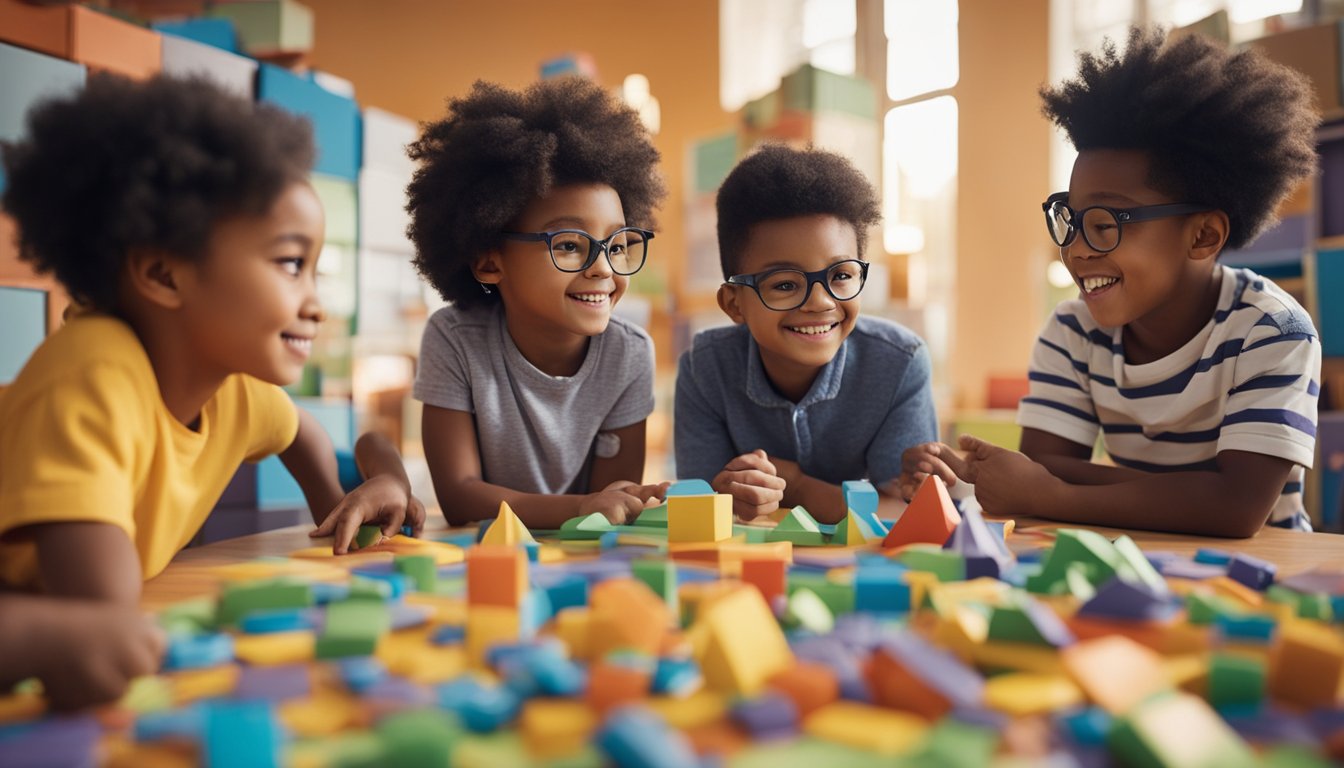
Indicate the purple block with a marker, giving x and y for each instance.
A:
(1133, 601)
(858, 631)
(597, 571)
(1251, 571)
(977, 567)
(1326, 722)
(1331, 582)
(973, 538)
(981, 717)
(374, 570)
(53, 742)
(399, 690)
(1269, 725)
(937, 668)
(273, 683)
(1189, 569)
(406, 615)
(767, 716)
(1048, 623)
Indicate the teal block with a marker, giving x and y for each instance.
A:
(217, 33)
(23, 316)
(1329, 310)
(335, 119)
(242, 734)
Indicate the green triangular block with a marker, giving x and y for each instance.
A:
(653, 517)
(798, 519)
(584, 528)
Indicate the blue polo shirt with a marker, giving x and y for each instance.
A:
(870, 403)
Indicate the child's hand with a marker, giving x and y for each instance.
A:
(920, 461)
(622, 501)
(753, 482)
(92, 652)
(382, 499)
(1006, 482)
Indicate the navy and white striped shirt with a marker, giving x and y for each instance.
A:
(1248, 381)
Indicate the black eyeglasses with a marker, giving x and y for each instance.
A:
(573, 250)
(1101, 224)
(787, 289)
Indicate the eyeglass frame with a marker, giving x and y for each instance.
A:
(818, 277)
(595, 246)
(1122, 217)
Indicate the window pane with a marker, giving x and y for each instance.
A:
(921, 46)
(921, 146)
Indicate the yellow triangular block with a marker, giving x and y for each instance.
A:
(507, 530)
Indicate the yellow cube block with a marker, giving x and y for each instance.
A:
(1025, 693)
(885, 731)
(740, 643)
(699, 519)
(488, 625)
(554, 728)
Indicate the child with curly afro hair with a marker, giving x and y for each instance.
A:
(179, 219)
(1201, 379)
(529, 212)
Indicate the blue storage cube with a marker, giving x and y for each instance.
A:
(27, 78)
(23, 316)
(336, 119)
(276, 488)
(1329, 309)
(216, 33)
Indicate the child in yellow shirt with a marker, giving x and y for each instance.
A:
(179, 220)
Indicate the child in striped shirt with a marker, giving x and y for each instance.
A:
(1201, 379)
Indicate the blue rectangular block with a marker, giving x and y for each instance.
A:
(336, 119)
(1330, 311)
(242, 734)
(218, 33)
(23, 316)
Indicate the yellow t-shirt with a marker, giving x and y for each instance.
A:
(85, 437)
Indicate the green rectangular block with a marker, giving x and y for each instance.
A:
(809, 89)
(420, 568)
(945, 564)
(239, 600)
(838, 597)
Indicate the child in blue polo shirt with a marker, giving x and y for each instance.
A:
(800, 393)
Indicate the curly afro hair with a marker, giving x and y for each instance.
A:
(780, 182)
(498, 150)
(1232, 130)
(155, 164)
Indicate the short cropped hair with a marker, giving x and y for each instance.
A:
(125, 164)
(780, 182)
(497, 150)
(1228, 129)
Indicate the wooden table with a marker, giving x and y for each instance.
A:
(189, 575)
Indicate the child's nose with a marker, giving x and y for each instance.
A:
(817, 298)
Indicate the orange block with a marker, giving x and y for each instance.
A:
(611, 685)
(930, 517)
(894, 686)
(1175, 636)
(1114, 671)
(496, 575)
(79, 34)
(1306, 664)
(810, 685)
(769, 576)
(626, 615)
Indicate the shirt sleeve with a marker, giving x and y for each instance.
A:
(71, 453)
(273, 419)
(442, 378)
(1059, 400)
(1271, 408)
(702, 443)
(635, 402)
(911, 420)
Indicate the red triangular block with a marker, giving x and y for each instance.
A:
(930, 518)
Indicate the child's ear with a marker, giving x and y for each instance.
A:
(1210, 235)
(728, 303)
(154, 276)
(486, 269)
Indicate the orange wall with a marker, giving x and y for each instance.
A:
(409, 56)
(1003, 172)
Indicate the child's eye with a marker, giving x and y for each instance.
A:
(293, 266)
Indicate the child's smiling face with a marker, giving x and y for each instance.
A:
(1161, 267)
(250, 306)
(539, 299)
(795, 344)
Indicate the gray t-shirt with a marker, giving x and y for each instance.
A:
(535, 431)
(871, 402)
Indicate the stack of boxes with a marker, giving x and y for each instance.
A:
(48, 50)
(1305, 251)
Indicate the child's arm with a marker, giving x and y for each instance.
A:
(84, 652)
(455, 466)
(384, 497)
(87, 560)
(1233, 501)
(1070, 461)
